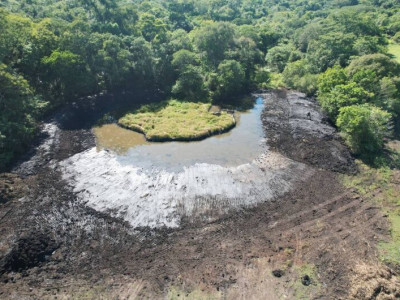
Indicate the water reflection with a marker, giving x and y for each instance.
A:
(238, 146)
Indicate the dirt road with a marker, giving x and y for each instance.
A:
(315, 235)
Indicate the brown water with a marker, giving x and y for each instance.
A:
(239, 146)
(118, 139)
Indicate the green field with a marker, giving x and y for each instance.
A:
(394, 49)
(175, 120)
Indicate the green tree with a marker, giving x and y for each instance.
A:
(247, 54)
(381, 64)
(214, 40)
(364, 127)
(330, 78)
(230, 79)
(298, 75)
(152, 27)
(278, 57)
(18, 109)
(184, 59)
(66, 74)
(190, 85)
(343, 95)
(333, 48)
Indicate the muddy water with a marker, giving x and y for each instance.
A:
(117, 139)
(239, 146)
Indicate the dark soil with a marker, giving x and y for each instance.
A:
(297, 128)
(54, 246)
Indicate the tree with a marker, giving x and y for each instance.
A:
(152, 27)
(343, 95)
(247, 54)
(230, 78)
(396, 37)
(330, 78)
(389, 94)
(190, 85)
(66, 74)
(333, 48)
(381, 64)
(184, 59)
(298, 75)
(364, 127)
(278, 57)
(214, 40)
(142, 60)
(261, 78)
(18, 109)
(15, 36)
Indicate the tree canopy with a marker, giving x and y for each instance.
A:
(57, 51)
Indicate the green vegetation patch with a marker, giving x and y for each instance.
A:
(390, 250)
(301, 291)
(394, 49)
(175, 120)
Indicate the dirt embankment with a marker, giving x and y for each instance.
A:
(54, 245)
(295, 127)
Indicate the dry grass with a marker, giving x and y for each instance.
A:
(174, 120)
(373, 282)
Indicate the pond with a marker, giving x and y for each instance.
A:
(239, 146)
(168, 184)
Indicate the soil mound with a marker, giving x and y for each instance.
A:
(29, 251)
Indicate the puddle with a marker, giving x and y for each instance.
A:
(239, 146)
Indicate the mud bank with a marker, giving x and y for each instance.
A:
(298, 129)
(158, 198)
(207, 231)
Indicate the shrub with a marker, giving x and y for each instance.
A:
(343, 95)
(364, 127)
(396, 37)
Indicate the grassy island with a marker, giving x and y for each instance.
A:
(179, 121)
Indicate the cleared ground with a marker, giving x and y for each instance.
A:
(175, 120)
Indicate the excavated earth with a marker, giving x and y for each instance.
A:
(71, 230)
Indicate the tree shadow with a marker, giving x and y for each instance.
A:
(389, 158)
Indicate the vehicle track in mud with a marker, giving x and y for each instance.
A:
(318, 221)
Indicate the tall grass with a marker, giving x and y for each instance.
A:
(175, 120)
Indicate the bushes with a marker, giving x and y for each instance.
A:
(361, 100)
(364, 127)
(331, 78)
(343, 95)
(18, 109)
(298, 75)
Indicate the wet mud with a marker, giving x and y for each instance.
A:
(77, 231)
(298, 129)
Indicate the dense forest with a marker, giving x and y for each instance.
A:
(55, 51)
